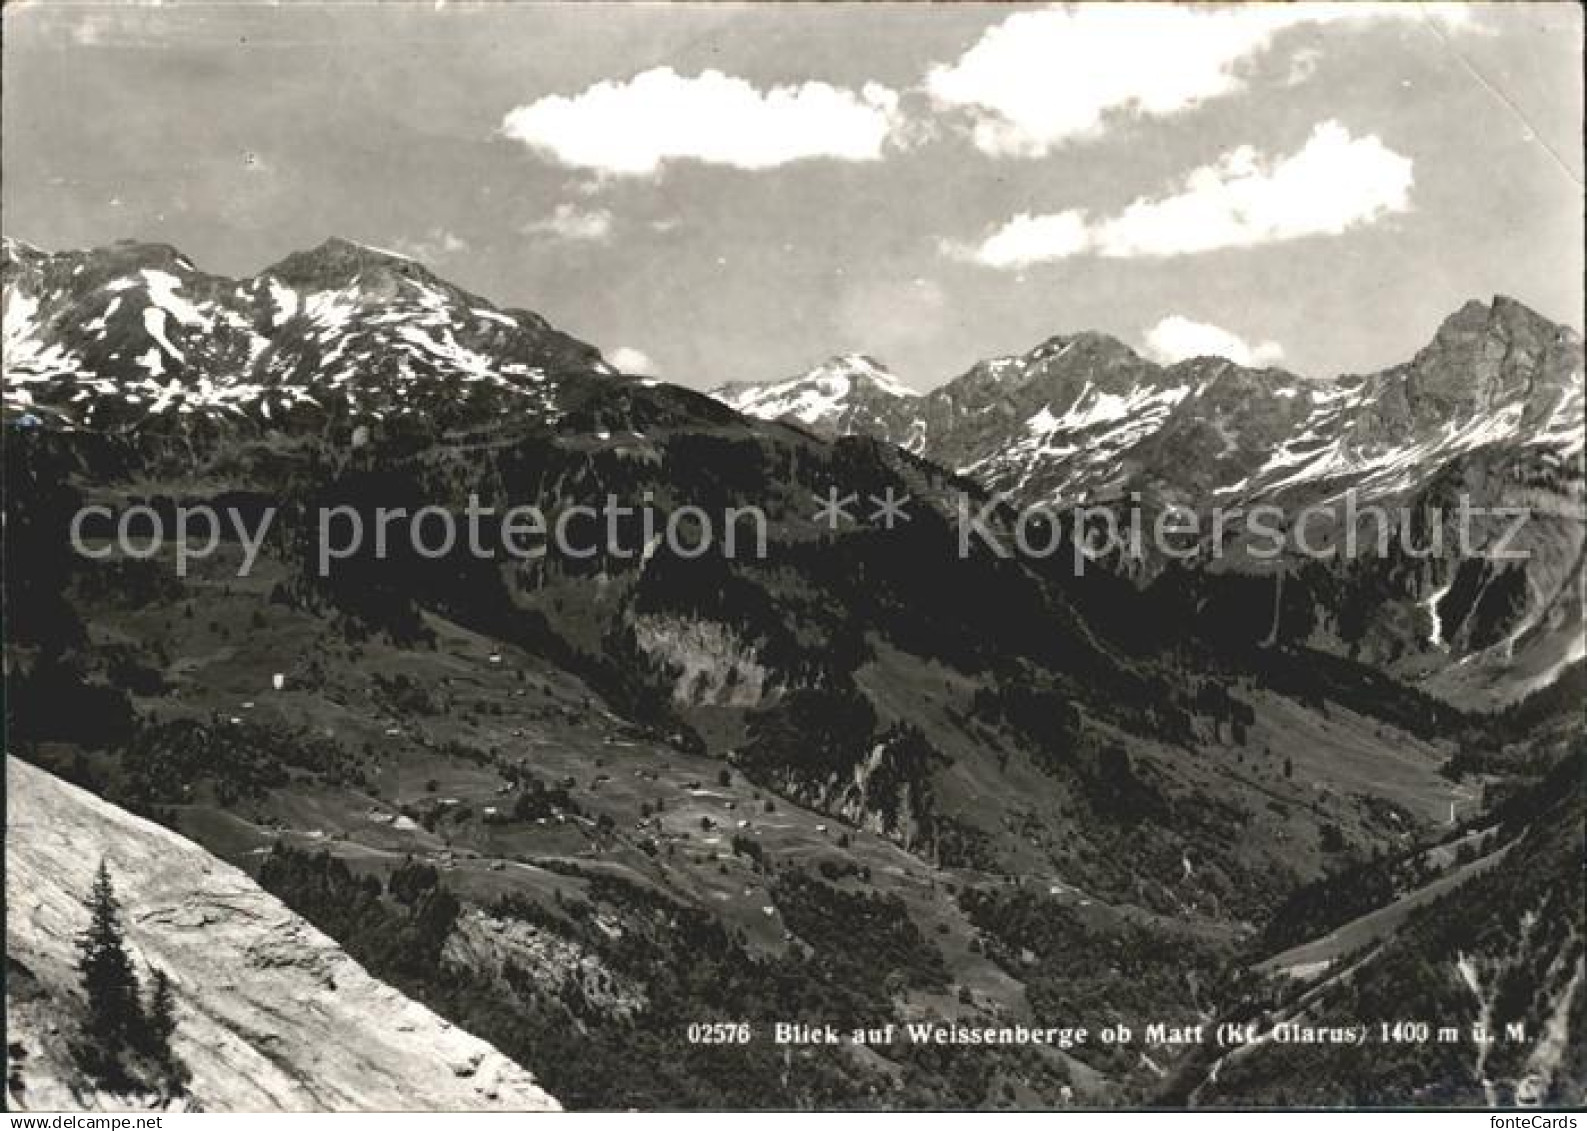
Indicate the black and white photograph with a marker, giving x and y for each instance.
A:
(793, 557)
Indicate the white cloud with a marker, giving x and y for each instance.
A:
(1331, 184)
(1042, 78)
(630, 360)
(88, 32)
(1029, 239)
(632, 128)
(570, 222)
(1176, 338)
(437, 243)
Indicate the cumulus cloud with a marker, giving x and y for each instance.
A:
(1176, 338)
(570, 222)
(1332, 183)
(437, 243)
(1029, 239)
(633, 128)
(1243, 199)
(630, 360)
(1043, 78)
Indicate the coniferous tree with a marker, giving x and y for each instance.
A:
(159, 1026)
(162, 1015)
(114, 1014)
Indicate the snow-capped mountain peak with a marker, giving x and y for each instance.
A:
(133, 333)
(863, 369)
(846, 393)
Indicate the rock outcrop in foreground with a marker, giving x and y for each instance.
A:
(272, 1014)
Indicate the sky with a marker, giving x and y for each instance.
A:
(733, 192)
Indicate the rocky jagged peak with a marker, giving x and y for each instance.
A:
(1503, 319)
(1471, 318)
(1516, 317)
(339, 262)
(1092, 344)
(1064, 364)
(1490, 354)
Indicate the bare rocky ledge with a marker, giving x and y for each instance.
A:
(273, 1015)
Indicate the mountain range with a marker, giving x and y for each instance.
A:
(575, 805)
(1492, 409)
(1083, 418)
(135, 334)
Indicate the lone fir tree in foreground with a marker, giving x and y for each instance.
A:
(114, 1014)
(120, 1039)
